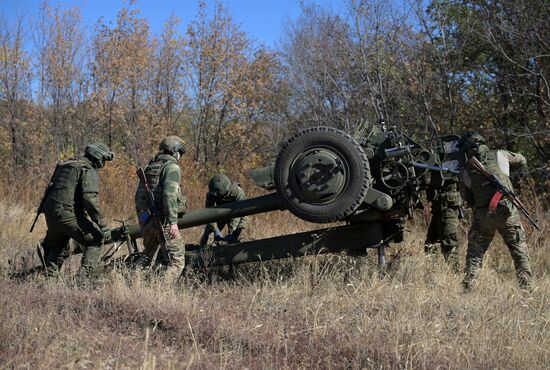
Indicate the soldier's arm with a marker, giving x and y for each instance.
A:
(516, 160)
(210, 202)
(464, 187)
(90, 197)
(171, 187)
(241, 222)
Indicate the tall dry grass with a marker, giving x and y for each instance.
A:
(315, 312)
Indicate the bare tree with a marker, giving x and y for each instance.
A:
(15, 90)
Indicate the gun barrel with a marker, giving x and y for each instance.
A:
(435, 168)
(224, 212)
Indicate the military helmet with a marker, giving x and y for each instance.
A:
(219, 185)
(173, 145)
(470, 140)
(99, 153)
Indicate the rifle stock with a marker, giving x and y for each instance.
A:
(500, 187)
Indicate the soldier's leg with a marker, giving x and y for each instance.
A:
(432, 236)
(479, 238)
(90, 236)
(514, 236)
(150, 244)
(54, 244)
(205, 238)
(176, 262)
(449, 237)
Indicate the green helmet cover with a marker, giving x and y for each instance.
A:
(219, 185)
(173, 144)
(471, 140)
(99, 153)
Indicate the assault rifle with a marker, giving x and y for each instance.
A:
(502, 189)
(46, 192)
(153, 215)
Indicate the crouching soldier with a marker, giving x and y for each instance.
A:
(72, 211)
(222, 190)
(163, 177)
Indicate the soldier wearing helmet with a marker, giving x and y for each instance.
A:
(222, 190)
(72, 211)
(163, 176)
(491, 213)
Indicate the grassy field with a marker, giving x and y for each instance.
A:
(315, 312)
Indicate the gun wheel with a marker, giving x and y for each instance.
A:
(322, 174)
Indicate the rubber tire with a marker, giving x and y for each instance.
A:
(358, 182)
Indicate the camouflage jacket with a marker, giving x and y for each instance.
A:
(478, 191)
(234, 194)
(163, 176)
(75, 187)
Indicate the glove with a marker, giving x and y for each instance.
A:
(218, 235)
(233, 237)
(106, 233)
(143, 217)
(230, 238)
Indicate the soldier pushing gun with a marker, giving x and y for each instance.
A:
(159, 200)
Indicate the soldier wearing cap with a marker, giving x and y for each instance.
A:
(163, 176)
(72, 211)
(222, 190)
(491, 212)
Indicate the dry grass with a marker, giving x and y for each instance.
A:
(324, 312)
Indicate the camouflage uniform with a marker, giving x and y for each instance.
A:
(163, 177)
(236, 225)
(505, 218)
(72, 211)
(446, 202)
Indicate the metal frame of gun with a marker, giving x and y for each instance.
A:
(501, 188)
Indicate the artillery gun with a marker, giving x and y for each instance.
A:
(364, 188)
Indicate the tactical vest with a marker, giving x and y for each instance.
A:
(66, 186)
(153, 174)
(481, 187)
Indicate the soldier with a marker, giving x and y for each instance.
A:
(490, 212)
(72, 211)
(446, 202)
(222, 190)
(163, 178)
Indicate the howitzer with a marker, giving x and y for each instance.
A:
(154, 216)
(323, 175)
(44, 197)
(502, 190)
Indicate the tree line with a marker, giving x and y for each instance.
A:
(428, 67)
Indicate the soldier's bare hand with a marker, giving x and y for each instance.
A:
(174, 231)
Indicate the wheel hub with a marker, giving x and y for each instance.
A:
(319, 176)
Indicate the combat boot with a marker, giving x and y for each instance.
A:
(90, 266)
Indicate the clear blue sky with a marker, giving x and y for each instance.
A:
(263, 20)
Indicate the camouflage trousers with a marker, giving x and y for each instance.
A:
(443, 229)
(484, 226)
(174, 262)
(63, 225)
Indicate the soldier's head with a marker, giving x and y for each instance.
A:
(173, 145)
(473, 144)
(219, 185)
(98, 153)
